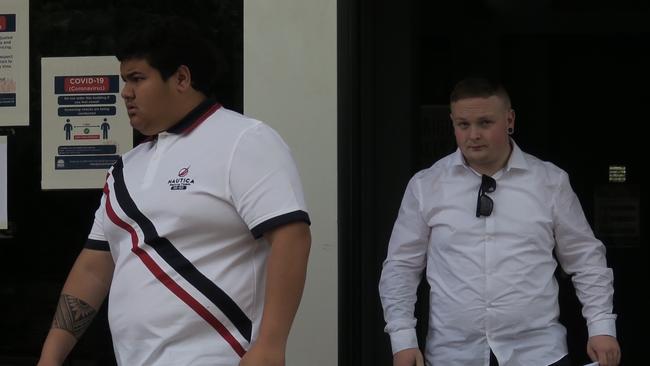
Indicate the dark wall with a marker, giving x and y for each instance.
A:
(48, 228)
(578, 77)
(375, 134)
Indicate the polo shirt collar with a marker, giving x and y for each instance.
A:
(195, 117)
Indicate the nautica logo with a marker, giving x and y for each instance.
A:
(183, 172)
(182, 182)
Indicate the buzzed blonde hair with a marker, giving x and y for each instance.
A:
(476, 87)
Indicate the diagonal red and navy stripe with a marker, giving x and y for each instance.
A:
(170, 254)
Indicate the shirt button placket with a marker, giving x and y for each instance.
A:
(489, 269)
(152, 167)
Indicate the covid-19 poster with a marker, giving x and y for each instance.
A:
(85, 126)
(14, 62)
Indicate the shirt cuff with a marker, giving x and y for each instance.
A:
(260, 229)
(602, 327)
(403, 339)
(97, 245)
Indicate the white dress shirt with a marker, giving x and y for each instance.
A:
(492, 278)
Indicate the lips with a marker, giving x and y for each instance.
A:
(131, 110)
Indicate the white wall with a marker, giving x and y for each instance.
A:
(290, 83)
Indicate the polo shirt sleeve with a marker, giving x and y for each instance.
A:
(96, 239)
(264, 181)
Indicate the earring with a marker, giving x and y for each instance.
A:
(510, 130)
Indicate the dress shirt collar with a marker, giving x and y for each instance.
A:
(517, 159)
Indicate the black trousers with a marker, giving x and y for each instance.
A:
(564, 361)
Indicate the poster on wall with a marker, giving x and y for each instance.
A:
(85, 126)
(14, 63)
(3, 183)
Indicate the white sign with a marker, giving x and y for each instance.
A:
(3, 183)
(85, 126)
(14, 62)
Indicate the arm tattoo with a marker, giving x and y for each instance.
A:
(73, 314)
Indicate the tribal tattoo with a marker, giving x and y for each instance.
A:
(73, 314)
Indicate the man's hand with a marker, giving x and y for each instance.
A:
(604, 349)
(408, 357)
(260, 355)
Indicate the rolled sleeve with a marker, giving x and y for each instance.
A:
(602, 327)
(403, 339)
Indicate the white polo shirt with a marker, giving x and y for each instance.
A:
(184, 216)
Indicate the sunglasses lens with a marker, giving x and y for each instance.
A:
(485, 206)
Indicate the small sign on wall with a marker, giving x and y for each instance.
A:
(84, 122)
(14, 62)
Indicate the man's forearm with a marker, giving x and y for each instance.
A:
(56, 348)
(83, 293)
(73, 315)
(71, 319)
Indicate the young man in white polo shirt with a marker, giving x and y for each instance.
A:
(202, 232)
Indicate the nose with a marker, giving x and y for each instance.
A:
(474, 133)
(127, 92)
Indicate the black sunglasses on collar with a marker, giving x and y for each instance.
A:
(484, 203)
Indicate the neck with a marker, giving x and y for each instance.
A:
(189, 101)
(184, 105)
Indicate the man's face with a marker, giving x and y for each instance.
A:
(149, 99)
(481, 129)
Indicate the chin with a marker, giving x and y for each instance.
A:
(474, 154)
(137, 127)
(476, 158)
(144, 132)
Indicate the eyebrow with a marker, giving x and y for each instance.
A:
(130, 75)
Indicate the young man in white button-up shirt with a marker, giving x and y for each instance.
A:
(202, 232)
(484, 222)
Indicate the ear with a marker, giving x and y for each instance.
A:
(183, 79)
(511, 118)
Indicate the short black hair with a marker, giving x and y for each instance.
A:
(167, 42)
(478, 87)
